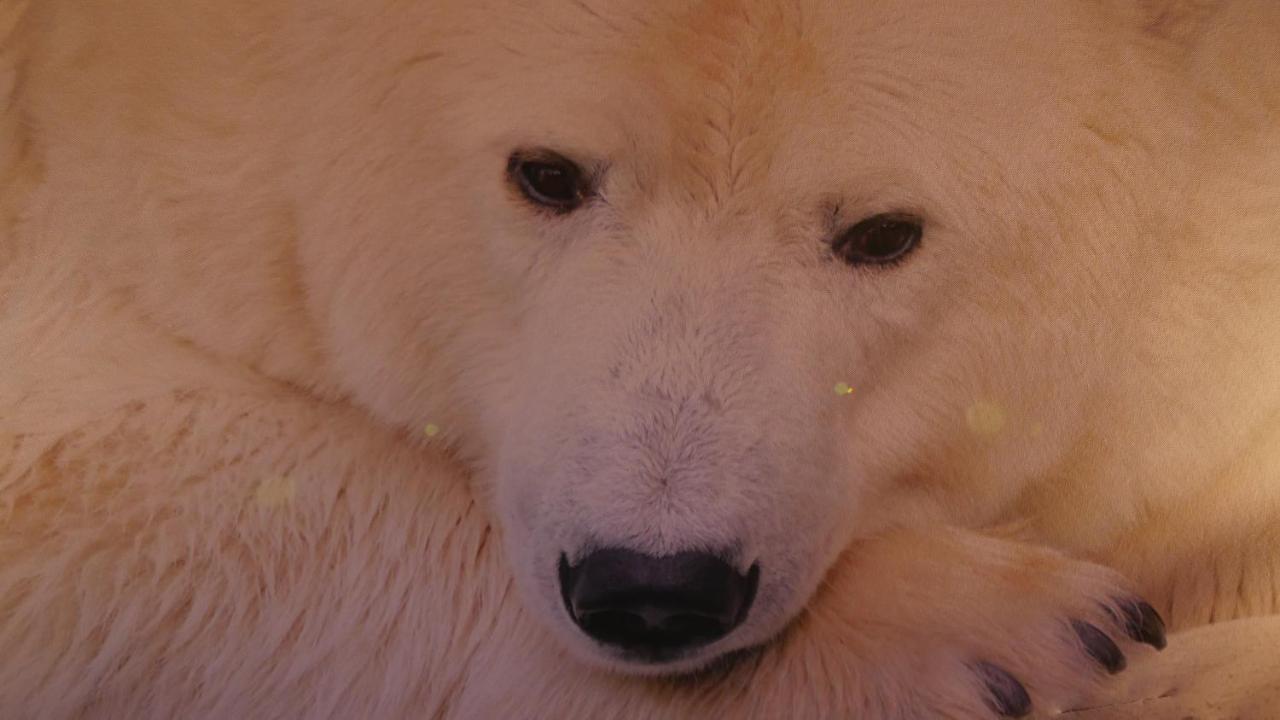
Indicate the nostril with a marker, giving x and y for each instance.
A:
(654, 607)
(617, 625)
(651, 626)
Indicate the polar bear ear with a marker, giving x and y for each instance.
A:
(1180, 22)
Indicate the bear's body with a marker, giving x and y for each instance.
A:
(244, 262)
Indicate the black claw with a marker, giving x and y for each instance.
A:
(1006, 695)
(1144, 624)
(1099, 646)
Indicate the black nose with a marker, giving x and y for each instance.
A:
(655, 607)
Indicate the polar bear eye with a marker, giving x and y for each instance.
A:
(549, 180)
(879, 240)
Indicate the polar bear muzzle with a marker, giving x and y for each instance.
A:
(655, 608)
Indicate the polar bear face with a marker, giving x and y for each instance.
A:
(706, 292)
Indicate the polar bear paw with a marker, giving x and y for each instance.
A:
(958, 625)
(1007, 696)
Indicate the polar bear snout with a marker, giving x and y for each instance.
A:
(654, 608)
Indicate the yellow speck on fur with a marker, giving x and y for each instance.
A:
(276, 491)
(985, 418)
(843, 389)
(431, 430)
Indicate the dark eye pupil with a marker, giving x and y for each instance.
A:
(555, 183)
(879, 239)
(551, 181)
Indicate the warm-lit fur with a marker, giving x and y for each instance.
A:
(250, 248)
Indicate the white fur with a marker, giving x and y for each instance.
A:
(251, 249)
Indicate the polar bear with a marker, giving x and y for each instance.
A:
(620, 359)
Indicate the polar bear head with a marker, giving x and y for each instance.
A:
(704, 291)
